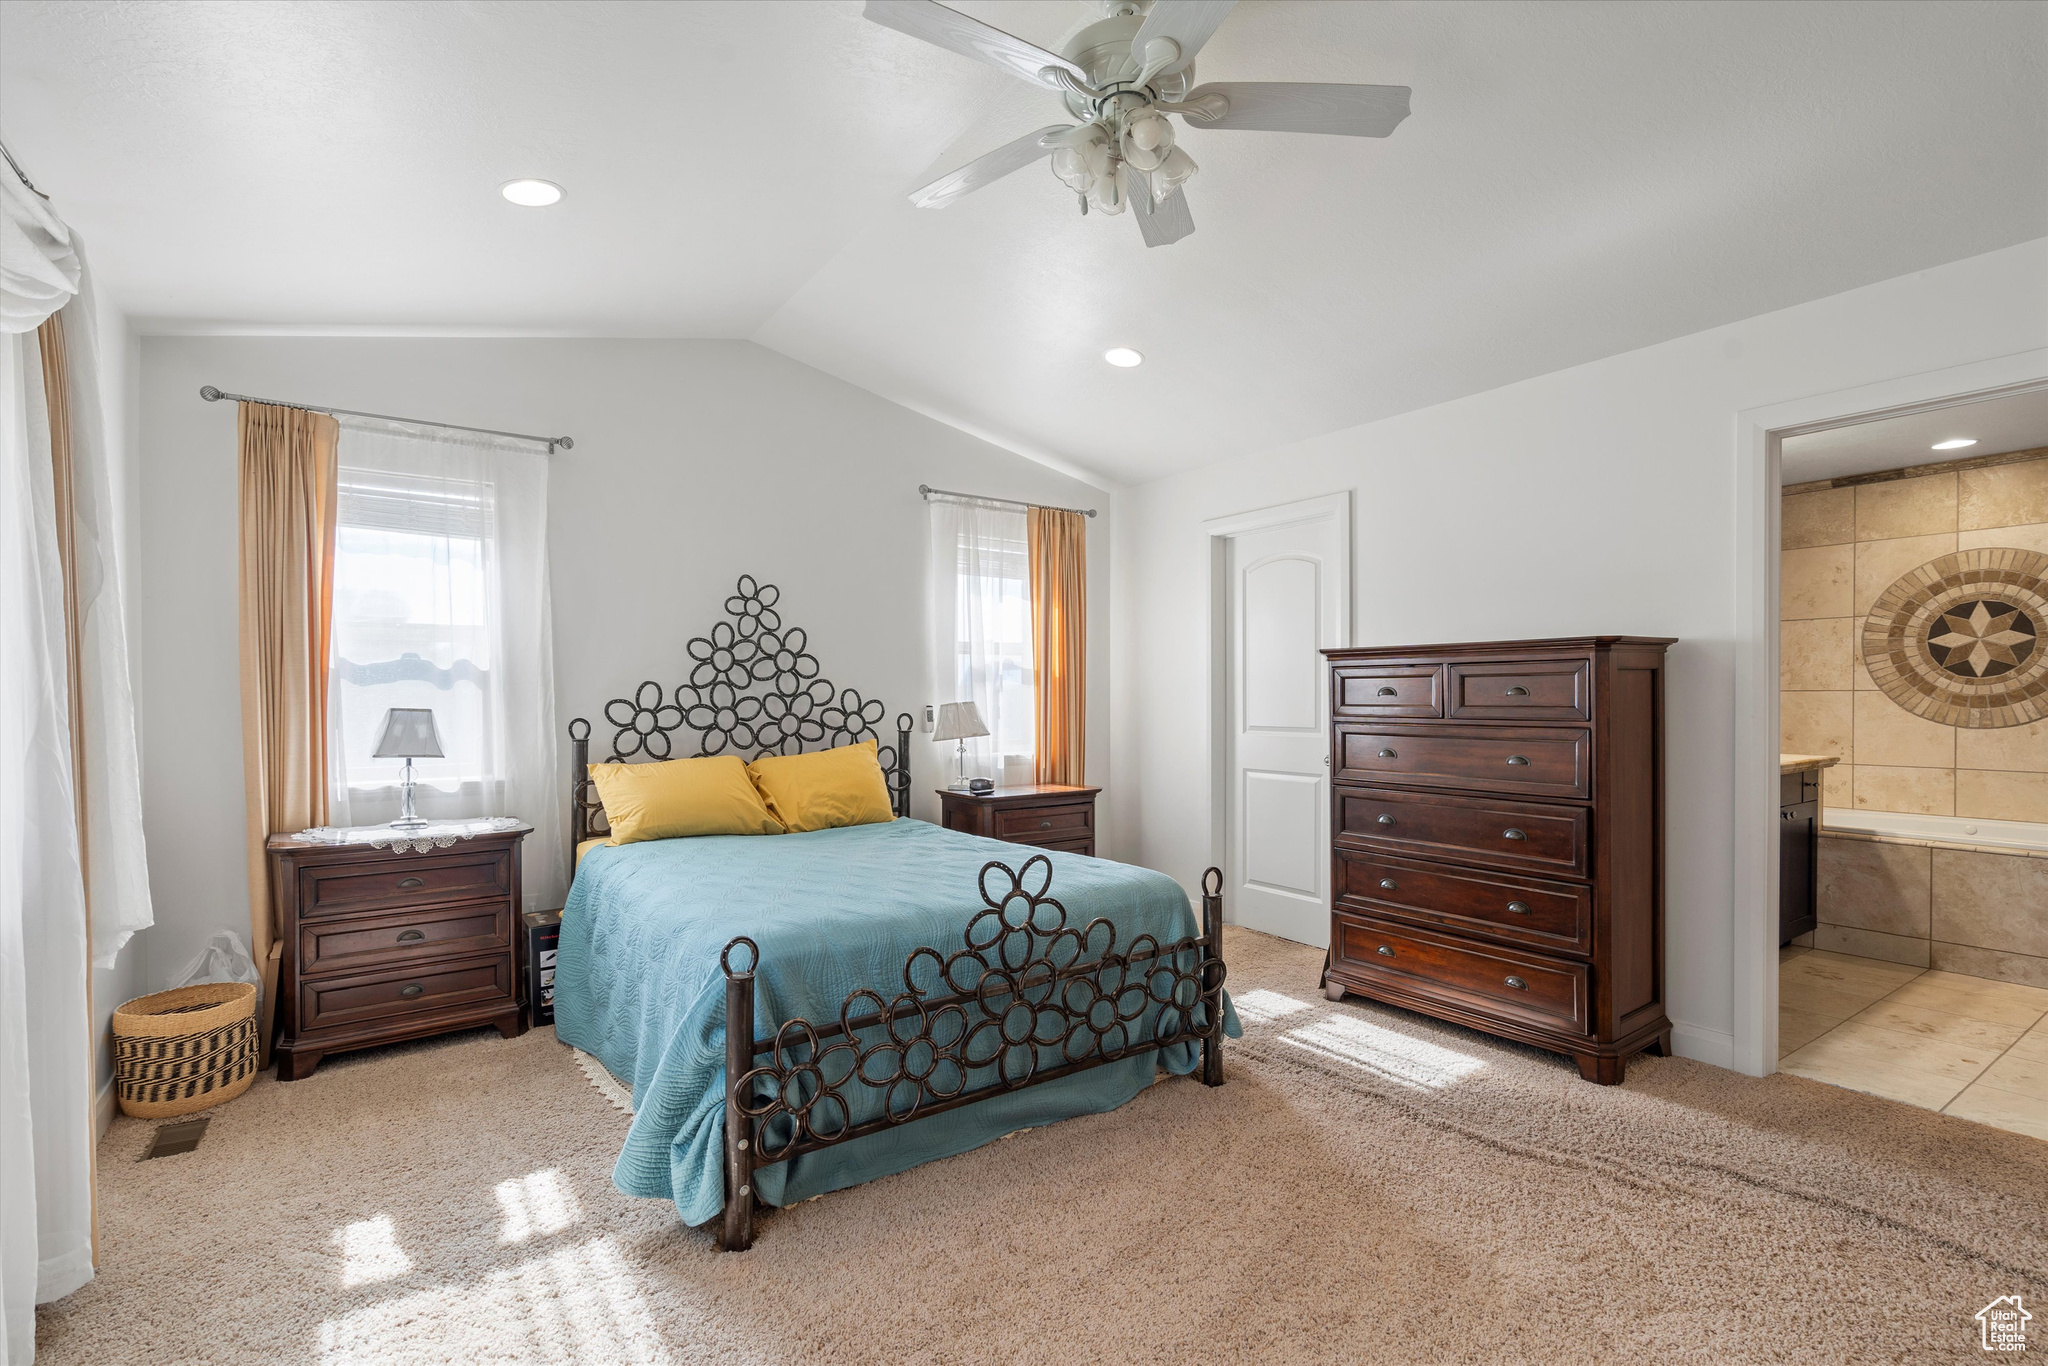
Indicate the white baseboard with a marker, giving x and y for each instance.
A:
(103, 1111)
(1701, 1044)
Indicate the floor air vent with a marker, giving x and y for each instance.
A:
(172, 1139)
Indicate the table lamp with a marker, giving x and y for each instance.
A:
(959, 721)
(408, 734)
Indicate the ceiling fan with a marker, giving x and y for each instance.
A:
(1121, 74)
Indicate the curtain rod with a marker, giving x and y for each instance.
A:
(928, 493)
(213, 395)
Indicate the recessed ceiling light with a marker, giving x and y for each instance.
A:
(531, 194)
(1124, 356)
(1955, 445)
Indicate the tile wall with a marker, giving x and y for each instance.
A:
(1958, 910)
(1842, 548)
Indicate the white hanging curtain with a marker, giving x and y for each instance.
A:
(70, 822)
(441, 601)
(981, 633)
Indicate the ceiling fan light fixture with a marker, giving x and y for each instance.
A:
(1954, 444)
(528, 193)
(1123, 357)
(1175, 170)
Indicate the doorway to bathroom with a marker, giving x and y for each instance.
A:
(1912, 785)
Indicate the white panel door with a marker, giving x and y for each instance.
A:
(1286, 602)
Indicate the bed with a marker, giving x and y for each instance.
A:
(914, 992)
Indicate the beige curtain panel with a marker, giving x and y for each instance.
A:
(288, 495)
(1059, 640)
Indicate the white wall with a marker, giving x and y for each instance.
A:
(695, 462)
(1599, 499)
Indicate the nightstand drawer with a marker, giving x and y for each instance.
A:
(326, 1002)
(1042, 823)
(356, 887)
(337, 944)
(1086, 846)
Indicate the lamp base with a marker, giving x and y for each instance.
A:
(411, 823)
(960, 786)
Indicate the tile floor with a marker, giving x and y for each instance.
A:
(1964, 1046)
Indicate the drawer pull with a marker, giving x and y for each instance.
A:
(1045, 825)
(1386, 952)
(412, 882)
(411, 989)
(1518, 984)
(1518, 908)
(1388, 754)
(1518, 759)
(1388, 692)
(1518, 691)
(411, 935)
(1512, 834)
(1386, 820)
(1386, 884)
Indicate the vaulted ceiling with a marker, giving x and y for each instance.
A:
(1576, 180)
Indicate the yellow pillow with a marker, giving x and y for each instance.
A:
(681, 797)
(819, 791)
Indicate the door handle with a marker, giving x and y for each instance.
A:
(1388, 692)
(412, 882)
(411, 935)
(1512, 834)
(1518, 691)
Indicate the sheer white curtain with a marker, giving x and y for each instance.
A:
(981, 630)
(441, 601)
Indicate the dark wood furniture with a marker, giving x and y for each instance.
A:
(1497, 831)
(1049, 815)
(379, 946)
(1798, 853)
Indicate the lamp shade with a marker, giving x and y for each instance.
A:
(959, 721)
(408, 734)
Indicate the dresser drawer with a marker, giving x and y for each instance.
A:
(326, 1002)
(1038, 824)
(1387, 690)
(356, 887)
(1543, 690)
(1536, 763)
(1497, 980)
(1549, 915)
(1500, 834)
(334, 944)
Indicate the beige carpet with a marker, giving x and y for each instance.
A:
(1368, 1187)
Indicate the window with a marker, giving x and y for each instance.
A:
(411, 620)
(981, 614)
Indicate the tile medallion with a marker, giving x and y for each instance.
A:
(1963, 639)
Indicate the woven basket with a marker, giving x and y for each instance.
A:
(184, 1050)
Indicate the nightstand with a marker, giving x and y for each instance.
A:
(1050, 815)
(381, 944)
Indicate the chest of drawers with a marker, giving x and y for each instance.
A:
(1497, 839)
(379, 946)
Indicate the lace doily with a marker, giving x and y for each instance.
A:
(427, 838)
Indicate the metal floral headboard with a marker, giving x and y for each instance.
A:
(755, 688)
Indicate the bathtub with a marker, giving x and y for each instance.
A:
(2026, 835)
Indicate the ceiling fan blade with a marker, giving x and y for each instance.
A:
(1164, 223)
(1359, 111)
(1190, 23)
(955, 32)
(986, 169)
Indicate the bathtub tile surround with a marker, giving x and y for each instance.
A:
(1847, 543)
(1970, 1048)
(1922, 904)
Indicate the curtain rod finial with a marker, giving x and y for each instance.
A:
(209, 393)
(564, 442)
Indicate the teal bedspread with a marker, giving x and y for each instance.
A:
(638, 986)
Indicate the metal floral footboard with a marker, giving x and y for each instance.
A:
(983, 1020)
